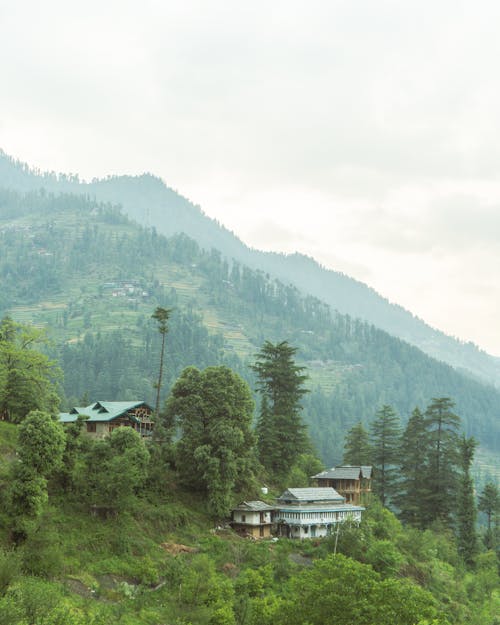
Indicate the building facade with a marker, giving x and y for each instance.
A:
(100, 418)
(354, 483)
(312, 512)
(252, 519)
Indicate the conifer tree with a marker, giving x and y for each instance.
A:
(442, 459)
(280, 430)
(161, 316)
(412, 488)
(357, 449)
(466, 509)
(489, 504)
(385, 435)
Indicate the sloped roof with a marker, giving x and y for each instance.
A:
(254, 506)
(346, 472)
(303, 495)
(102, 411)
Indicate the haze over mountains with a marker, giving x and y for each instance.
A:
(151, 203)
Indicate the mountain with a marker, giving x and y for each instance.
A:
(147, 200)
(92, 277)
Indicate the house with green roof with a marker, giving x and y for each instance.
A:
(100, 418)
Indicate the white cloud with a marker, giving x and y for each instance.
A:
(366, 133)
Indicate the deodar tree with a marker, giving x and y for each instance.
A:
(280, 431)
(442, 426)
(385, 436)
(357, 448)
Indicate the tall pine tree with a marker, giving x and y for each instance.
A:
(385, 435)
(280, 431)
(466, 508)
(442, 425)
(357, 449)
(412, 488)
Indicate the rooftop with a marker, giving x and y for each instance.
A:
(101, 411)
(346, 472)
(310, 495)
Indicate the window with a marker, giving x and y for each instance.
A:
(243, 518)
(91, 427)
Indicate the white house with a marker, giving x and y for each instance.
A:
(252, 518)
(312, 512)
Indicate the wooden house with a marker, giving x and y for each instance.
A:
(253, 519)
(101, 418)
(312, 512)
(352, 482)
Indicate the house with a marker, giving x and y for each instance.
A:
(252, 518)
(352, 482)
(312, 512)
(102, 417)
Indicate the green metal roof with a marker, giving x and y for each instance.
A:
(102, 411)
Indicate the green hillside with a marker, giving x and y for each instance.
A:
(150, 202)
(92, 278)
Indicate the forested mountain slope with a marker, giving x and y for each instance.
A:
(150, 202)
(93, 278)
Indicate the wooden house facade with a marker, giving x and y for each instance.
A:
(354, 483)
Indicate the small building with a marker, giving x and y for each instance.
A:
(312, 512)
(101, 418)
(352, 482)
(252, 518)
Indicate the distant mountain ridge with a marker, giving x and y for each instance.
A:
(150, 202)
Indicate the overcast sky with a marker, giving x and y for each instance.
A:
(363, 133)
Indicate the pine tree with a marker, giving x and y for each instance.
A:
(412, 488)
(466, 509)
(442, 460)
(385, 436)
(280, 431)
(489, 504)
(357, 449)
(161, 316)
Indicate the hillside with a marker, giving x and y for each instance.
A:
(150, 202)
(92, 277)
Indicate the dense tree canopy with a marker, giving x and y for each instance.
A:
(27, 376)
(215, 454)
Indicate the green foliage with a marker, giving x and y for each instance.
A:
(340, 591)
(41, 443)
(27, 498)
(385, 435)
(412, 488)
(489, 504)
(280, 432)
(27, 376)
(357, 448)
(441, 467)
(112, 470)
(467, 541)
(215, 454)
(161, 316)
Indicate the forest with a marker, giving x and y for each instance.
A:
(91, 277)
(84, 541)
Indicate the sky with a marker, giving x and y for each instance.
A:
(363, 133)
